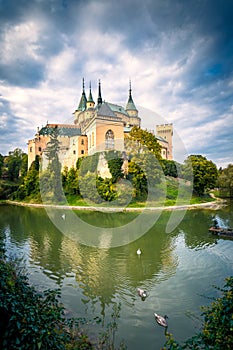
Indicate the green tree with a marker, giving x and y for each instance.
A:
(1, 164)
(170, 167)
(139, 181)
(203, 171)
(225, 182)
(142, 138)
(144, 154)
(24, 165)
(53, 174)
(13, 163)
(106, 189)
(30, 185)
(115, 162)
(72, 181)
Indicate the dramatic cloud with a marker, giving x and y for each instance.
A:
(178, 54)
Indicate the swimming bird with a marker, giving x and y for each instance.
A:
(63, 216)
(139, 252)
(142, 293)
(161, 320)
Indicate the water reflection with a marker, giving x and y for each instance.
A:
(174, 268)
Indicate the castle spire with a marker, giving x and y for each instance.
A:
(130, 104)
(90, 102)
(90, 98)
(83, 100)
(99, 101)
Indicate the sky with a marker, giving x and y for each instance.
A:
(178, 55)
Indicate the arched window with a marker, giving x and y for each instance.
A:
(109, 140)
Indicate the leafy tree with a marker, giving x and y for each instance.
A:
(139, 181)
(1, 164)
(144, 154)
(30, 185)
(143, 138)
(170, 167)
(106, 189)
(204, 173)
(88, 164)
(13, 163)
(225, 182)
(24, 165)
(115, 162)
(72, 181)
(88, 187)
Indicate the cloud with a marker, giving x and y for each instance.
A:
(177, 54)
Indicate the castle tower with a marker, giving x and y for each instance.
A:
(130, 107)
(99, 101)
(90, 104)
(83, 100)
(166, 132)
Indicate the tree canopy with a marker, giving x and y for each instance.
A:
(144, 138)
(203, 172)
(225, 182)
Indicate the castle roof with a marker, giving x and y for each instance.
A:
(117, 108)
(64, 130)
(105, 110)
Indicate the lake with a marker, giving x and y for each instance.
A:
(178, 269)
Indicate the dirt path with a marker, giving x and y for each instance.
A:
(209, 205)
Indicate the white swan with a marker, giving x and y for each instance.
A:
(139, 252)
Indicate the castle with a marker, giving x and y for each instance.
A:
(96, 127)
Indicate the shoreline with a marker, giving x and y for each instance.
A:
(219, 203)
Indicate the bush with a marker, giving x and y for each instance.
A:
(30, 320)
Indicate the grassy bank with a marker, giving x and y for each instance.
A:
(172, 192)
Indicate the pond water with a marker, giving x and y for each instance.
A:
(178, 269)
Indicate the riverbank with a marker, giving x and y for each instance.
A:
(217, 204)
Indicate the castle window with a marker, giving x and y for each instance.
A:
(39, 149)
(82, 142)
(74, 152)
(109, 140)
(82, 151)
(30, 149)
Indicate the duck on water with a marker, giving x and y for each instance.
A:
(162, 321)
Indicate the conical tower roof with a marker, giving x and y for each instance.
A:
(130, 104)
(90, 98)
(83, 100)
(99, 101)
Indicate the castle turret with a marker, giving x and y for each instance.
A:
(83, 101)
(90, 102)
(99, 101)
(130, 107)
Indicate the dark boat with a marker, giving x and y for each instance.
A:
(222, 232)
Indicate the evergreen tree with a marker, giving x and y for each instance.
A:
(53, 174)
